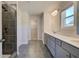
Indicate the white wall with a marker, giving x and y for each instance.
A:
(23, 27)
(52, 23)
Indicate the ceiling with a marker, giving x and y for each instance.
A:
(34, 7)
(37, 7)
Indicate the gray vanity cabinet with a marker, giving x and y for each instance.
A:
(51, 45)
(61, 49)
(61, 53)
(58, 42)
(71, 49)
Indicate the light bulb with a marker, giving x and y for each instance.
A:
(54, 13)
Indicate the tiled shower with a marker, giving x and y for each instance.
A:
(9, 23)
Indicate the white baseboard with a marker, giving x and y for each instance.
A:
(6, 56)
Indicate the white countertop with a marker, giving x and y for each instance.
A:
(69, 39)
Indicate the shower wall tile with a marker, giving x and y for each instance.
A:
(9, 32)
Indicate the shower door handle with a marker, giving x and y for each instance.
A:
(2, 40)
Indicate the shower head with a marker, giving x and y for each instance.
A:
(4, 7)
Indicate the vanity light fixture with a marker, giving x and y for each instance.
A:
(54, 13)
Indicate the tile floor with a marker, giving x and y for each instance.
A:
(35, 49)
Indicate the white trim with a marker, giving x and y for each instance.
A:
(0, 28)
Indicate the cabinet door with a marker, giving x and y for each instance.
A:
(51, 45)
(61, 53)
(52, 50)
(48, 42)
(72, 49)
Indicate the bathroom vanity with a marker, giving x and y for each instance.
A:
(62, 46)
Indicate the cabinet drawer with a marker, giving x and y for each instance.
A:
(73, 50)
(61, 53)
(52, 38)
(58, 42)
